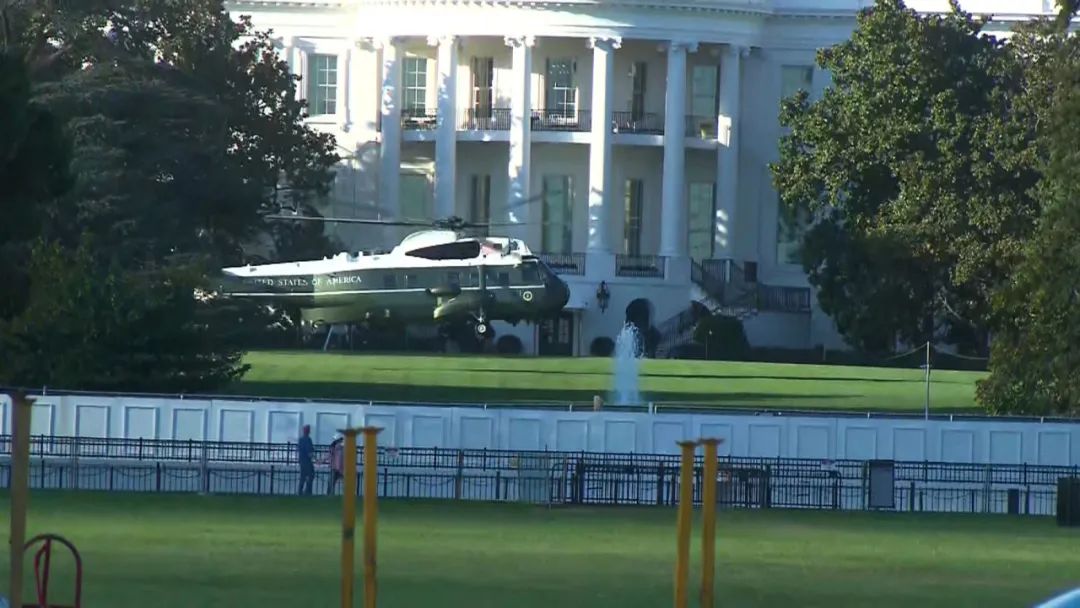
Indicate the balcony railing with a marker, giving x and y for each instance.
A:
(419, 120)
(639, 266)
(565, 263)
(702, 127)
(486, 119)
(628, 122)
(776, 298)
(561, 120)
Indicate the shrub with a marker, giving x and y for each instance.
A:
(602, 346)
(723, 337)
(509, 345)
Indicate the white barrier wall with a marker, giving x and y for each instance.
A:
(975, 441)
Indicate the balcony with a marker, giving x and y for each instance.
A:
(776, 298)
(641, 266)
(486, 119)
(647, 123)
(419, 120)
(702, 127)
(565, 263)
(561, 120)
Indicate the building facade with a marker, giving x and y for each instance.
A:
(627, 141)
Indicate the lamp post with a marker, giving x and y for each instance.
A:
(603, 296)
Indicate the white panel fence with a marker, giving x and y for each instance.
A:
(771, 436)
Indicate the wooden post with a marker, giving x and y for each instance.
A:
(20, 491)
(370, 514)
(682, 525)
(348, 517)
(708, 525)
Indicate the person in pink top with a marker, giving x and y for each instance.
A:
(336, 459)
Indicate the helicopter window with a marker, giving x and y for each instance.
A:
(448, 251)
(454, 278)
(530, 274)
(504, 279)
(389, 281)
(411, 281)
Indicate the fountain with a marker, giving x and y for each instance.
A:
(628, 349)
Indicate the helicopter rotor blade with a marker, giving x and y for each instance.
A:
(349, 220)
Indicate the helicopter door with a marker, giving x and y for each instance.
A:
(557, 335)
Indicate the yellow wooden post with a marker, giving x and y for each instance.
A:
(371, 489)
(348, 515)
(708, 525)
(682, 525)
(20, 491)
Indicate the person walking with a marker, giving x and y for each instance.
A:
(305, 452)
(336, 459)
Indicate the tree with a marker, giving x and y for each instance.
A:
(99, 326)
(34, 156)
(916, 167)
(231, 71)
(1034, 364)
(186, 129)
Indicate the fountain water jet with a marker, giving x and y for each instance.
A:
(628, 350)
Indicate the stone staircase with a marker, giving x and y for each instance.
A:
(717, 286)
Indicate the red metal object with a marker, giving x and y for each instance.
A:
(41, 574)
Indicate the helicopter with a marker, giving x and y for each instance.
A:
(437, 274)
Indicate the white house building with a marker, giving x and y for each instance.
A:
(628, 139)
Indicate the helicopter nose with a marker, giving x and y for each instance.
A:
(561, 293)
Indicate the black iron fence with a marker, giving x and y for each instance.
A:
(544, 477)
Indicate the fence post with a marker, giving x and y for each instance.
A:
(205, 468)
(460, 471)
(75, 463)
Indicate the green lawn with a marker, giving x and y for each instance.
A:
(506, 379)
(184, 551)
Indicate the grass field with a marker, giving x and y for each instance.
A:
(217, 552)
(505, 379)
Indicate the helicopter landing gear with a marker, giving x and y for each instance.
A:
(482, 329)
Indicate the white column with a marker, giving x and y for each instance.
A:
(344, 84)
(390, 112)
(727, 157)
(603, 99)
(446, 133)
(517, 210)
(296, 66)
(673, 199)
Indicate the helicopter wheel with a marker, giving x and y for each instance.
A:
(483, 329)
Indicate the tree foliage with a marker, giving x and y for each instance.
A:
(100, 326)
(916, 166)
(34, 157)
(185, 129)
(1035, 363)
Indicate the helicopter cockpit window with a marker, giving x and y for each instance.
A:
(530, 273)
(448, 251)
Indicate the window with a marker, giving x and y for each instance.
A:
(795, 77)
(322, 85)
(703, 91)
(557, 232)
(415, 98)
(389, 281)
(561, 90)
(412, 281)
(483, 84)
(415, 196)
(702, 224)
(637, 96)
(480, 203)
(789, 232)
(632, 200)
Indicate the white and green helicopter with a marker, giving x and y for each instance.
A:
(438, 275)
